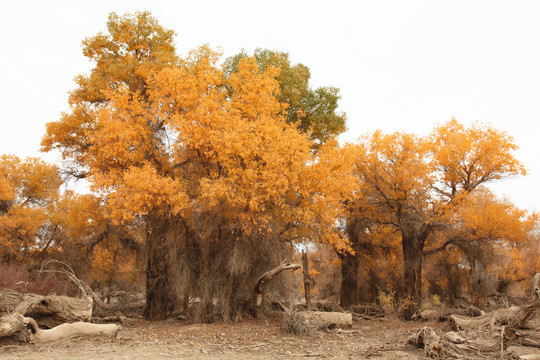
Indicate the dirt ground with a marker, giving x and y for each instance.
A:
(382, 339)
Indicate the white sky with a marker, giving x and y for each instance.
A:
(400, 65)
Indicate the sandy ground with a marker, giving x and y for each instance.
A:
(382, 339)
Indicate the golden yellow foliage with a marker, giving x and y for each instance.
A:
(420, 185)
(27, 190)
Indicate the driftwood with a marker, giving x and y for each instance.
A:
(10, 324)
(367, 312)
(65, 316)
(267, 276)
(518, 337)
(327, 320)
(493, 319)
(49, 311)
(535, 289)
(53, 310)
(441, 314)
(9, 299)
(451, 345)
(66, 331)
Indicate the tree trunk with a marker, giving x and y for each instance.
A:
(413, 259)
(307, 279)
(350, 265)
(157, 270)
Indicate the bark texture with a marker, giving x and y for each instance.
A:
(157, 270)
(269, 275)
(307, 279)
(53, 310)
(327, 320)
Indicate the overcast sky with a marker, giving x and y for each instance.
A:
(400, 65)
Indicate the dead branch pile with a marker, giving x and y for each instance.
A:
(64, 316)
(367, 311)
(506, 333)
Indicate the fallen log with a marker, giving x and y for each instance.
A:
(9, 299)
(53, 310)
(13, 330)
(10, 324)
(496, 317)
(66, 331)
(518, 339)
(522, 353)
(326, 320)
(451, 345)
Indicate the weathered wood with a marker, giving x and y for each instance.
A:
(13, 330)
(429, 315)
(329, 320)
(519, 326)
(428, 340)
(453, 337)
(450, 345)
(267, 276)
(522, 353)
(492, 319)
(53, 310)
(535, 288)
(307, 279)
(368, 311)
(10, 324)
(66, 331)
(9, 299)
(528, 338)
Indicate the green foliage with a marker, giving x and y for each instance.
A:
(314, 111)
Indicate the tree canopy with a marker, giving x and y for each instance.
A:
(418, 184)
(178, 144)
(314, 111)
(204, 174)
(27, 190)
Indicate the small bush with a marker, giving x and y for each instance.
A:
(387, 300)
(406, 308)
(436, 301)
(295, 324)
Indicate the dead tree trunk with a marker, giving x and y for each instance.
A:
(66, 331)
(517, 328)
(9, 299)
(53, 310)
(327, 320)
(10, 324)
(307, 279)
(267, 276)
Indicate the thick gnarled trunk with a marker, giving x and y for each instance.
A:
(350, 265)
(413, 259)
(157, 271)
